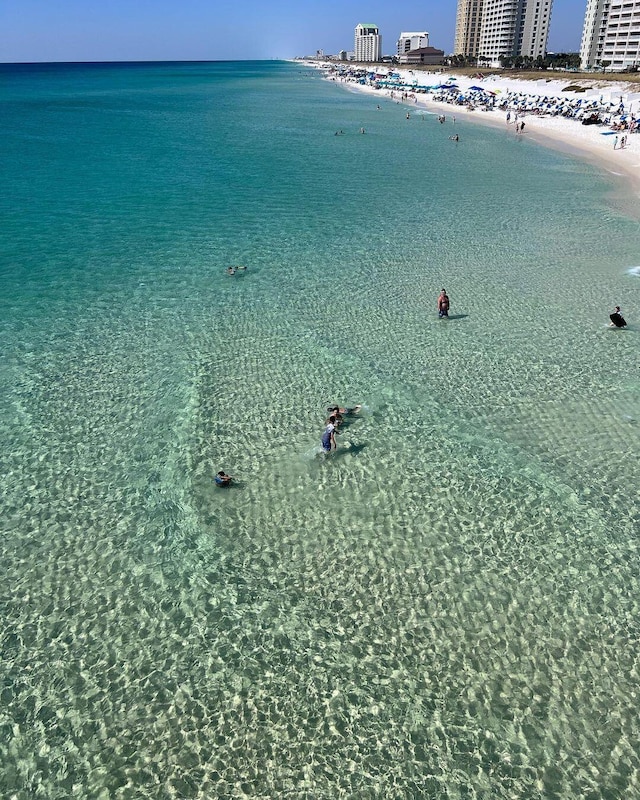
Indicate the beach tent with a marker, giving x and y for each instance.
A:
(632, 98)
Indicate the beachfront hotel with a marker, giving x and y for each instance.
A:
(492, 29)
(368, 43)
(411, 41)
(468, 19)
(611, 33)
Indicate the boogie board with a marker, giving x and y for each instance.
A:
(618, 320)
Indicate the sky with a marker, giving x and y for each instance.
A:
(159, 30)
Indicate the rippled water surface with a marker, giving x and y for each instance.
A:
(448, 606)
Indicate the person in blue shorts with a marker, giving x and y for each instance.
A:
(222, 479)
(329, 436)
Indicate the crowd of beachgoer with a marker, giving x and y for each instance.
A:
(615, 114)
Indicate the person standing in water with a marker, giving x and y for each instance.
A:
(329, 436)
(443, 304)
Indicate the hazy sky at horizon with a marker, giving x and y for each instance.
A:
(147, 30)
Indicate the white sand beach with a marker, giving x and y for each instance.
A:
(552, 114)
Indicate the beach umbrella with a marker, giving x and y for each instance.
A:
(476, 89)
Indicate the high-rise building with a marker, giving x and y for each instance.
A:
(368, 43)
(491, 29)
(468, 21)
(411, 41)
(611, 33)
(535, 29)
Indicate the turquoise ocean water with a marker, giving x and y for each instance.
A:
(448, 606)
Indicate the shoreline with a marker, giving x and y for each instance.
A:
(588, 142)
(570, 137)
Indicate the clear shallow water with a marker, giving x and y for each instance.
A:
(448, 607)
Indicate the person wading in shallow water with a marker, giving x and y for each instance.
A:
(617, 320)
(443, 304)
(329, 436)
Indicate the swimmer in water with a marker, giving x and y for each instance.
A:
(340, 413)
(230, 271)
(222, 479)
(347, 412)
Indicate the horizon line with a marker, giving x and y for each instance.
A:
(149, 61)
